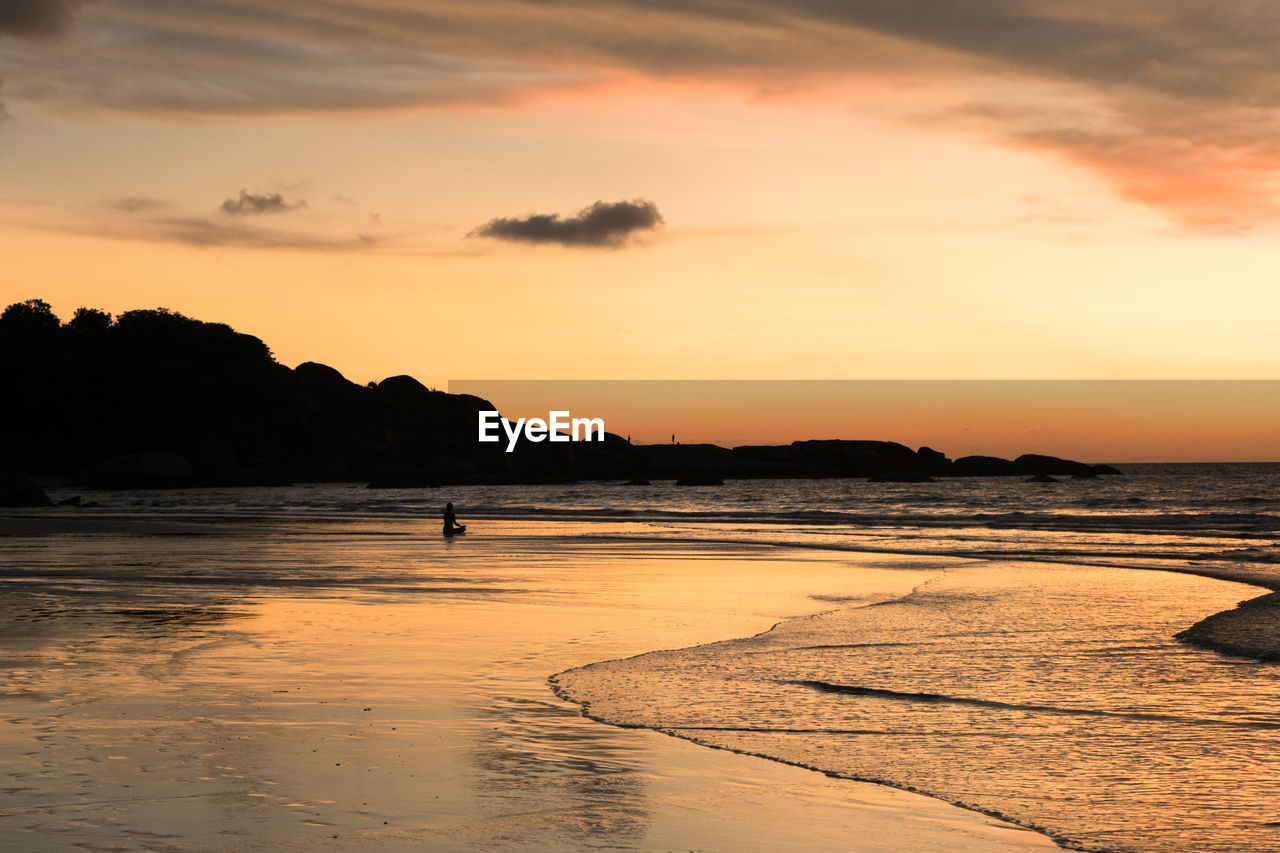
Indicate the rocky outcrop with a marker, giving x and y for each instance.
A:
(775, 454)
(856, 458)
(21, 490)
(934, 462)
(154, 399)
(155, 470)
(690, 461)
(1036, 463)
(986, 466)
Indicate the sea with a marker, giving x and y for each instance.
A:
(1035, 673)
(1219, 516)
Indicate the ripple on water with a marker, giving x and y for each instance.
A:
(1057, 696)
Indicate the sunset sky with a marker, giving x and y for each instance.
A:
(662, 190)
(1100, 420)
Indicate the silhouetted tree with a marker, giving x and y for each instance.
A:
(34, 316)
(78, 394)
(29, 327)
(89, 321)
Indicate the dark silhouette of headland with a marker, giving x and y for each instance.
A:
(154, 399)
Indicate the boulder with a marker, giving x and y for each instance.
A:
(614, 458)
(765, 453)
(1107, 470)
(21, 490)
(680, 460)
(445, 468)
(323, 380)
(403, 386)
(933, 461)
(154, 470)
(1036, 463)
(212, 457)
(986, 466)
(856, 458)
(1043, 478)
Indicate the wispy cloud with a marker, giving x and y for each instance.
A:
(37, 18)
(135, 204)
(34, 19)
(204, 232)
(1175, 103)
(603, 224)
(255, 203)
(161, 221)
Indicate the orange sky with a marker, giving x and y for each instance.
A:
(835, 191)
(1096, 420)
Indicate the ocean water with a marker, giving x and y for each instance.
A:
(1221, 517)
(1039, 677)
(1052, 695)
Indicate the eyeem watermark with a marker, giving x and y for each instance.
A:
(536, 429)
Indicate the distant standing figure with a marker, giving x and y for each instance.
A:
(451, 525)
(673, 438)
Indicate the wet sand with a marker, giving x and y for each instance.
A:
(367, 685)
(1055, 695)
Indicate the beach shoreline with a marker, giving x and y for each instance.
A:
(224, 625)
(606, 691)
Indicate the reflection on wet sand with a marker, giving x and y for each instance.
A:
(261, 687)
(583, 782)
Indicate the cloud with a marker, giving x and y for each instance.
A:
(162, 221)
(1174, 103)
(252, 204)
(203, 233)
(36, 18)
(135, 204)
(1211, 171)
(603, 224)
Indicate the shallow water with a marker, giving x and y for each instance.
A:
(1054, 695)
(1218, 515)
(294, 685)
(1053, 691)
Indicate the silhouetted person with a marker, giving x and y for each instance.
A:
(451, 525)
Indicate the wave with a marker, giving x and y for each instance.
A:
(1080, 718)
(1233, 565)
(1242, 525)
(939, 698)
(1248, 525)
(1249, 630)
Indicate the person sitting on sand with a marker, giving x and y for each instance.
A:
(451, 525)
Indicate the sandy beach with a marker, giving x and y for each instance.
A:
(482, 425)
(284, 684)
